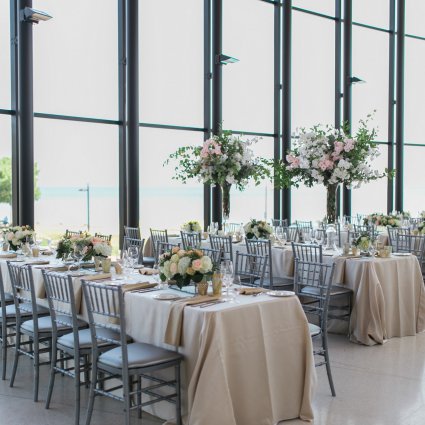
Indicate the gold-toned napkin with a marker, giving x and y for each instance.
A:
(38, 263)
(57, 268)
(97, 276)
(128, 287)
(173, 332)
(148, 271)
(251, 291)
(9, 255)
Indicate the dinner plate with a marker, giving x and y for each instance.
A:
(401, 254)
(280, 293)
(167, 297)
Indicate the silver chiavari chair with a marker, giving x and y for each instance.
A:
(191, 239)
(157, 236)
(393, 232)
(139, 243)
(106, 238)
(251, 268)
(231, 227)
(71, 233)
(414, 244)
(307, 252)
(223, 243)
(132, 232)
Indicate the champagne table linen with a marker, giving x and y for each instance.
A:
(249, 363)
(389, 297)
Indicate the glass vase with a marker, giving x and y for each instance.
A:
(331, 203)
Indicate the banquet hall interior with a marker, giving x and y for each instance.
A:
(212, 212)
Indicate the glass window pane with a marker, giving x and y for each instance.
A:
(166, 203)
(372, 197)
(313, 83)
(323, 6)
(171, 40)
(373, 69)
(375, 13)
(76, 59)
(308, 203)
(415, 15)
(5, 152)
(248, 85)
(255, 201)
(414, 86)
(414, 177)
(71, 155)
(5, 55)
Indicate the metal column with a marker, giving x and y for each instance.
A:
(25, 121)
(286, 97)
(132, 32)
(217, 98)
(399, 116)
(337, 94)
(347, 99)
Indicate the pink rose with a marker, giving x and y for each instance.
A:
(196, 265)
(10, 236)
(349, 145)
(293, 161)
(338, 146)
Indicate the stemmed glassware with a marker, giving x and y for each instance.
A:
(226, 270)
(78, 255)
(133, 255)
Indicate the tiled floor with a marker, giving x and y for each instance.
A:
(380, 385)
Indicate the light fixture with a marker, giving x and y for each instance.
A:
(225, 59)
(34, 16)
(356, 80)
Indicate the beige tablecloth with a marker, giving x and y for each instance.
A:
(389, 297)
(249, 363)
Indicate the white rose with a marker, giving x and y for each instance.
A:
(206, 264)
(174, 258)
(183, 265)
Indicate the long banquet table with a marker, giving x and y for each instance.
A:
(232, 353)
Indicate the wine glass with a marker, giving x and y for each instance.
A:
(226, 269)
(319, 237)
(133, 255)
(78, 254)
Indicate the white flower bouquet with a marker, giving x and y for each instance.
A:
(101, 248)
(192, 226)
(258, 229)
(363, 242)
(184, 266)
(378, 219)
(17, 235)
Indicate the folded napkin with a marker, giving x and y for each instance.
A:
(57, 269)
(97, 276)
(47, 252)
(9, 255)
(173, 332)
(38, 262)
(251, 291)
(128, 287)
(148, 271)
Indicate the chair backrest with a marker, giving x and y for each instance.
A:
(360, 228)
(190, 239)
(162, 247)
(21, 279)
(132, 232)
(414, 222)
(140, 243)
(251, 268)
(223, 243)
(61, 298)
(304, 252)
(106, 238)
(105, 307)
(70, 233)
(277, 222)
(415, 244)
(291, 233)
(393, 232)
(304, 225)
(338, 232)
(231, 227)
(158, 236)
(262, 247)
(2, 297)
(215, 255)
(314, 281)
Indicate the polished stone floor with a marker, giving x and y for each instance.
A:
(380, 385)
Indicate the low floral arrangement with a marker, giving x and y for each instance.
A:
(258, 229)
(17, 235)
(363, 242)
(403, 215)
(421, 228)
(89, 246)
(422, 214)
(192, 226)
(101, 248)
(184, 266)
(378, 219)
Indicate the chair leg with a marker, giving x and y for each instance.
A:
(328, 365)
(91, 395)
(178, 396)
(77, 388)
(54, 357)
(16, 359)
(36, 364)
(4, 349)
(87, 371)
(127, 401)
(139, 397)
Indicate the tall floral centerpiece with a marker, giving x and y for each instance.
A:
(224, 160)
(329, 156)
(378, 219)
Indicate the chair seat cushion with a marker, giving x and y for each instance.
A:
(139, 355)
(84, 338)
(26, 310)
(335, 290)
(314, 329)
(45, 324)
(8, 297)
